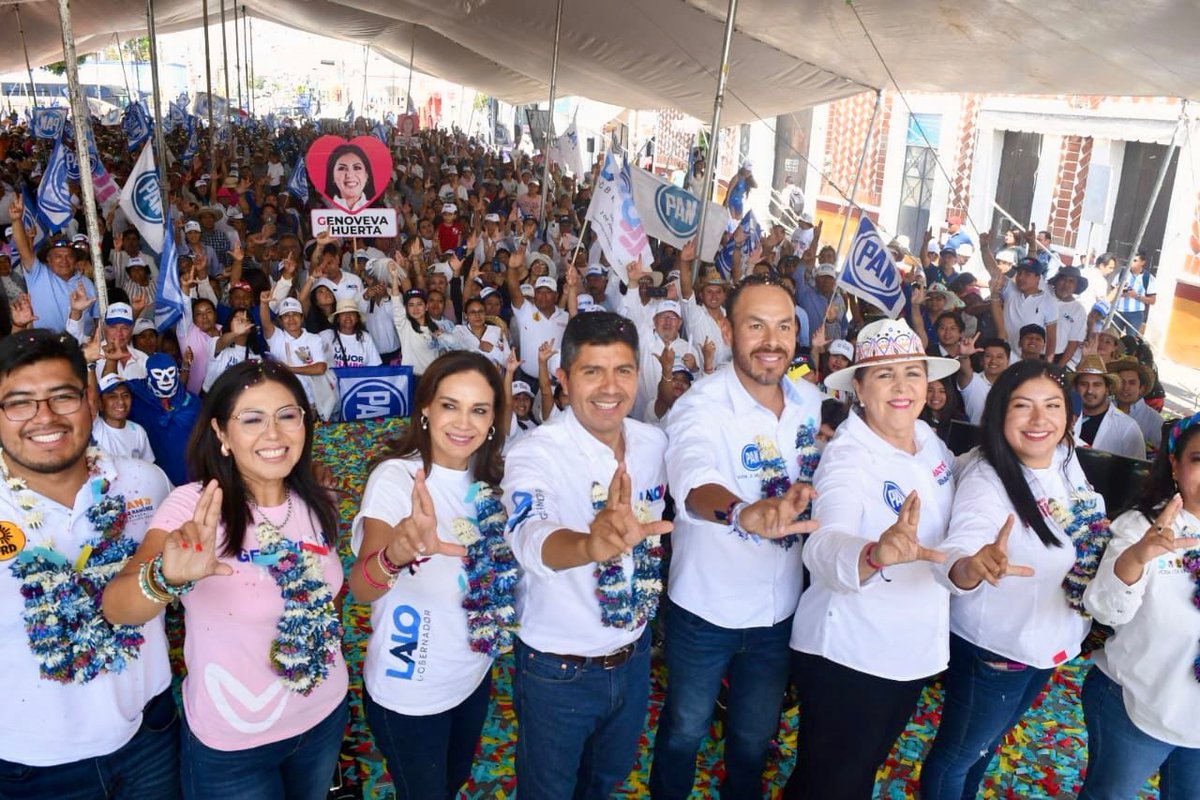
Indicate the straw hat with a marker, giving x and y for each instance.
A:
(1145, 374)
(1094, 365)
(889, 341)
(346, 305)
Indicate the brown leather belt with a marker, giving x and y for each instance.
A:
(610, 661)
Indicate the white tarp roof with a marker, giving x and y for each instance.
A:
(786, 55)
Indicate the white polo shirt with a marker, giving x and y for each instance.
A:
(728, 580)
(46, 723)
(974, 396)
(1023, 619)
(548, 478)
(130, 441)
(897, 628)
(1158, 627)
(650, 347)
(1040, 308)
(700, 325)
(533, 328)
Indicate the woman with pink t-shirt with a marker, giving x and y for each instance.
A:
(249, 549)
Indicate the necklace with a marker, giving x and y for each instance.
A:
(491, 572)
(1087, 527)
(68, 635)
(625, 603)
(1191, 562)
(775, 481)
(287, 517)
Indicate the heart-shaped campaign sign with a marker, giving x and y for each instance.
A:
(352, 174)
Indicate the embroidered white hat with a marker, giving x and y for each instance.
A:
(546, 282)
(889, 341)
(521, 387)
(290, 305)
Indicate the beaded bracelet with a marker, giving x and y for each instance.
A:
(386, 563)
(157, 577)
(367, 573)
(149, 590)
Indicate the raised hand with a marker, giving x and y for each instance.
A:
(989, 564)
(616, 530)
(689, 361)
(511, 365)
(899, 543)
(708, 349)
(1160, 538)
(80, 300)
(264, 298)
(416, 535)
(818, 340)
(667, 360)
(21, 311)
(546, 351)
(137, 302)
(92, 349)
(240, 325)
(966, 346)
(775, 517)
(688, 253)
(190, 553)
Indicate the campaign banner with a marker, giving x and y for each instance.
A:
(672, 215)
(350, 174)
(141, 200)
(615, 221)
(365, 223)
(869, 272)
(48, 122)
(374, 392)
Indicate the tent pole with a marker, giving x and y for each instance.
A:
(550, 125)
(29, 69)
(212, 138)
(160, 143)
(237, 55)
(225, 59)
(124, 74)
(1172, 148)
(366, 67)
(249, 58)
(714, 137)
(412, 53)
(862, 160)
(82, 120)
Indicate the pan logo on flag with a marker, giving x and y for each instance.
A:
(873, 265)
(678, 210)
(147, 199)
(372, 398)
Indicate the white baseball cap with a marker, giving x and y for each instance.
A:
(521, 387)
(191, 225)
(119, 314)
(669, 305)
(290, 305)
(142, 325)
(491, 217)
(449, 208)
(841, 347)
(826, 271)
(546, 282)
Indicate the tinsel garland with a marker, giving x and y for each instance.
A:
(1088, 529)
(1191, 562)
(623, 603)
(775, 480)
(491, 573)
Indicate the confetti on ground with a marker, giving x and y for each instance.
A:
(1043, 758)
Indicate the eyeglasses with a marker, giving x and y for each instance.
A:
(289, 419)
(63, 404)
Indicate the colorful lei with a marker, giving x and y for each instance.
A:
(775, 480)
(623, 603)
(68, 634)
(1087, 527)
(491, 573)
(309, 632)
(1191, 562)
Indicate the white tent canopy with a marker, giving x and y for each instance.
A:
(786, 54)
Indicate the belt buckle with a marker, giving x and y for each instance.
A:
(617, 658)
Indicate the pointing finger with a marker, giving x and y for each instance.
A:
(614, 486)
(1002, 537)
(1020, 571)
(935, 556)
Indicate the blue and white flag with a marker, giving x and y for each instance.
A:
(142, 202)
(192, 148)
(615, 220)
(206, 102)
(170, 303)
(137, 126)
(111, 118)
(372, 392)
(297, 185)
(176, 116)
(380, 132)
(54, 208)
(36, 231)
(724, 259)
(869, 272)
(72, 164)
(48, 122)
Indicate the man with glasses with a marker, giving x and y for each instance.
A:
(88, 704)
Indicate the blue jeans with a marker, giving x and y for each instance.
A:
(429, 757)
(699, 656)
(1121, 758)
(578, 726)
(1130, 322)
(297, 768)
(983, 703)
(146, 768)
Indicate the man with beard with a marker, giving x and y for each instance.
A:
(739, 488)
(1102, 425)
(89, 711)
(50, 278)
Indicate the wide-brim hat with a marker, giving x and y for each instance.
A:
(1081, 283)
(1094, 365)
(1145, 374)
(345, 306)
(889, 341)
(656, 277)
(551, 269)
(216, 210)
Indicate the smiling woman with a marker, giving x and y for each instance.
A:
(348, 179)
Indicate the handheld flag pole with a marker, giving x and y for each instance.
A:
(212, 137)
(29, 69)
(225, 59)
(550, 126)
(714, 136)
(79, 114)
(160, 142)
(862, 160)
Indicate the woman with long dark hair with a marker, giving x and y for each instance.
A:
(943, 405)
(249, 547)
(1022, 499)
(417, 331)
(433, 564)
(348, 178)
(1141, 699)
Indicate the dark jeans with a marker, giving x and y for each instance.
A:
(849, 721)
(578, 725)
(699, 656)
(1121, 757)
(297, 768)
(983, 703)
(1130, 322)
(429, 757)
(146, 768)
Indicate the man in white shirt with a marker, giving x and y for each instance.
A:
(1102, 425)
(733, 591)
(974, 385)
(704, 308)
(1072, 316)
(113, 431)
(1025, 301)
(583, 493)
(535, 322)
(1134, 382)
(86, 710)
(665, 333)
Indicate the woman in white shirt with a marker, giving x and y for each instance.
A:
(873, 625)
(1022, 499)
(348, 342)
(1141, 700)
(476, 333)
(433, 563)
(418, 334)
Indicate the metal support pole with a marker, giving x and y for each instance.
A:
(412, 53)
(212, 138)
(714, 137)
(550, 123)
(1158, 184)
(81, 118)
(160, 142)
(225, 59)
(249, 58)
(362, 108)
(237, 55)
(862, 160)
(29, 69)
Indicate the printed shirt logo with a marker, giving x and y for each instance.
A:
(942, 473)
(409, 644)
(12, 540)
(139, 508)
(893, 495)
(751, 458)
(222, 686)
